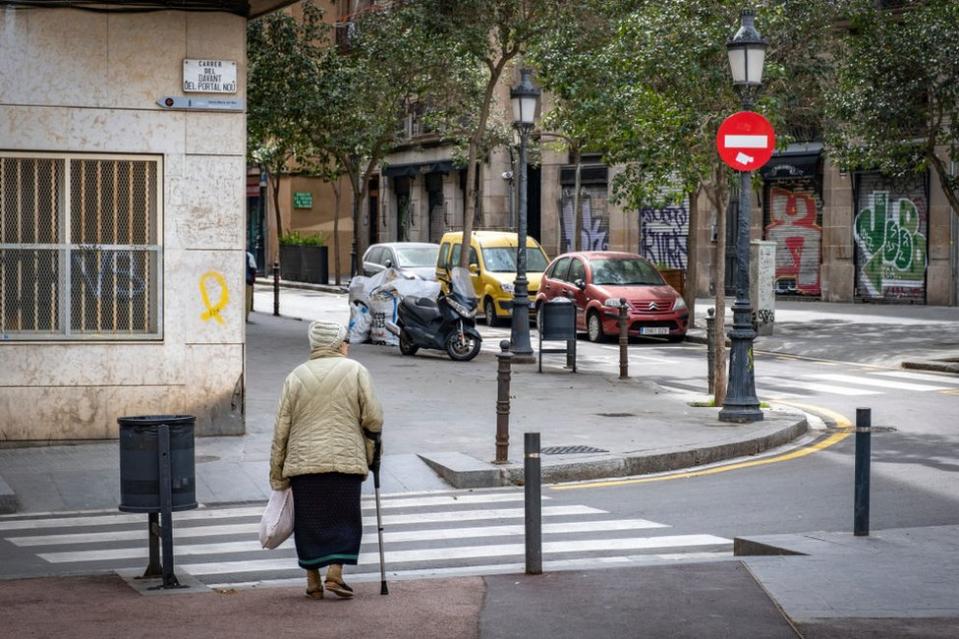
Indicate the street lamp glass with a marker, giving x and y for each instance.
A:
(524, 97)
(747, 53)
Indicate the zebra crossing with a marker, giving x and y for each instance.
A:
(430, 534)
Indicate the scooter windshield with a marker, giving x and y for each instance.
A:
(461, 284)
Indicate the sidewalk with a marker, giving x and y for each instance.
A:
(911, 336)
(896, 583)
(440, 416)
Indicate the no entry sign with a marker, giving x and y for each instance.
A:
(746, 141)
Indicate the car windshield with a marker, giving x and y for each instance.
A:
(625, 272)
(413, 256)
(503, 260)
(461, 282)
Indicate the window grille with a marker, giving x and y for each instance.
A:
(80, 255)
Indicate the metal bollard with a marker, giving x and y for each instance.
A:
(863, 454)
(532, 486)
(623, 340)
(276, 289)
(711, 349)
(503, 375)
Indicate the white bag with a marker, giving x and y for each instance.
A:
(360, 322)
(276, 525)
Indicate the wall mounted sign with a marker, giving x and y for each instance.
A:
(745, 141)
(183, 103)
(209, 76)
(302, 200)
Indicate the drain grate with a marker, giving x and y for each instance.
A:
(571, 450)
(616, 414)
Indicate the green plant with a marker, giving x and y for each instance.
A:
(295, 238)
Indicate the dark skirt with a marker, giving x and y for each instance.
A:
(327, 520)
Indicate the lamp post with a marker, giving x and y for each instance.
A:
(747, 53)
(524, 98)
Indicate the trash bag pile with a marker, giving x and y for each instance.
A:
(374, 302)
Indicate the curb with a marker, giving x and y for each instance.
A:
(463, 471)
(323, 288)
(8, 499)
(939, 367)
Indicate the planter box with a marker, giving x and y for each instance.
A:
(676, 278)
(315, 264)
(291, 262)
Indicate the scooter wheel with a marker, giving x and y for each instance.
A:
(407, 347)
(462, 351)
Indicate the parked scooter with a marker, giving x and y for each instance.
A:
(448, 323)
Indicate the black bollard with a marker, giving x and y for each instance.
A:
(503, 376)
(863, 454)
(711, 350)
(623, 340)
(533, 480)
(276, 289)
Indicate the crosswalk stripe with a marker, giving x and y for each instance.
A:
(828, 389)
(869, 381)
(470, 552)
(488, 569)
(919, 377)
(250, 511)
(252, 546)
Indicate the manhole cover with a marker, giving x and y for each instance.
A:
(570, 450)
(616, 414)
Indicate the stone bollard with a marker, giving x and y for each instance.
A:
(503, 375)
(711, 349)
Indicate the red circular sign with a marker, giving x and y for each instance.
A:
(745, 141)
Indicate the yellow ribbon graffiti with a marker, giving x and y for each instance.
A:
(213, 310)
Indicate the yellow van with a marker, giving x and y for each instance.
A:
(492, 268)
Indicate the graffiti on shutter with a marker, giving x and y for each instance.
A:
(593, 203)
(664, 233)
(890, 230)
(792, 215)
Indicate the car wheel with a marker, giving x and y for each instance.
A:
(489, 309)
(594, 327)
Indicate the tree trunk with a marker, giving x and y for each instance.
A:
(471, 169)
(275, 189)
(577, 243)
(719, 283)
(692, 257)
(480, 193)
(337, 191)
(944, 181)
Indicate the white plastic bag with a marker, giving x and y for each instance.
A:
(383, 309)
(360, 322)
(276, 525)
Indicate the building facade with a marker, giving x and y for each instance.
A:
(122, 219)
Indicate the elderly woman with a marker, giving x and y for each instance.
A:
(320, 448)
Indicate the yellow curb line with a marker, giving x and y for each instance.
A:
(844, 428)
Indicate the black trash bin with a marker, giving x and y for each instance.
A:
(557, 321)
(139, 462)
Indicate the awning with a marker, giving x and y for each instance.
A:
(797, 161)
(418, 168)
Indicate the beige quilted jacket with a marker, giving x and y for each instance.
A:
(325, 406)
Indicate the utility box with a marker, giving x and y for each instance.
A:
(762, 285)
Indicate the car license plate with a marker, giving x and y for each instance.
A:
(654, 330)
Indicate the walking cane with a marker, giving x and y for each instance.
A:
(375, 467)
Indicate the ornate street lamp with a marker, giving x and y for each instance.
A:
(747, 53)
(525, 98)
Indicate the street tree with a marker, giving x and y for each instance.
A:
(673, 90)
(895, 102)
(488, 35)
(281, 55)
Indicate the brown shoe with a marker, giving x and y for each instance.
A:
(334, 582)
(314, 589)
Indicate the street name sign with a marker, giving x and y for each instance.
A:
(186, 103)
(745, 141)
(209, 76)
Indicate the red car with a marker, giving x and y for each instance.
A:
(592, 277)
